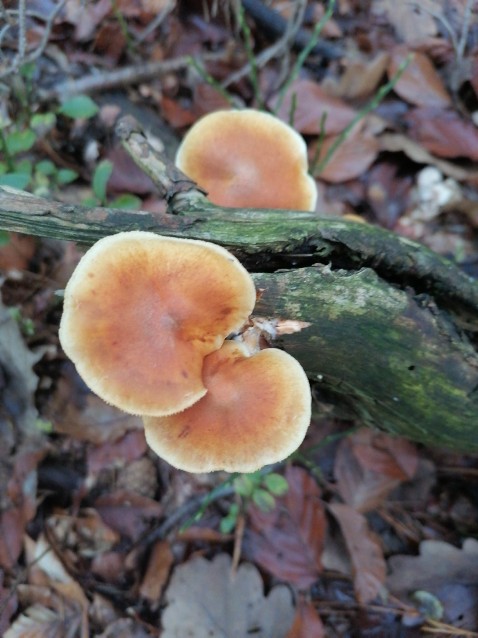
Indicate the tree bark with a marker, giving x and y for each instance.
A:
(392, 323)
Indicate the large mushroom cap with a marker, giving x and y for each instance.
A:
(142, 311)
(256, 411)
(248, 159)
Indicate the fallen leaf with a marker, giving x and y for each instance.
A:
(369, 465)
(350, 160)
(447, 572)
(76, 412)
(307, 623)
(117, 453)
(360, 78)
(420, 83)
(288, 542)
(366, 554)
(127, 512)
(395, 143)
(8, 605)
(413, 21)
(157, 573)
(308, 102)
(443, 132)
(18, 253)
(206, 600)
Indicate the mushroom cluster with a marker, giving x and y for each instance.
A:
(145, 322)
(248, 159)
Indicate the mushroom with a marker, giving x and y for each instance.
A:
(256, 411)
(248, 159)
(142, 311)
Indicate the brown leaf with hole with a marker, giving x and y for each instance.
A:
(308, 102)
(288, 542)
(366, 554)
(420, 83)
(307, 623)
(443, 132)
(205, 598)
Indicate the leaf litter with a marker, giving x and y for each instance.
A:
(89, 493)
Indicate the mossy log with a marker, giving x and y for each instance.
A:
(392, 324)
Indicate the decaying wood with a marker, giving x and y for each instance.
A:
(392, 323)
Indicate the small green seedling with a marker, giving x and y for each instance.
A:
(257, 488)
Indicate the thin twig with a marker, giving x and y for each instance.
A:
(281, 47)
(126, 76)
(158, 21)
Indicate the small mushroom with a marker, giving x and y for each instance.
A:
(248, 159)
(142, 311)
(256, 411)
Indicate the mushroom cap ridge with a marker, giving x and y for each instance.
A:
(256, 411)
(141, 312)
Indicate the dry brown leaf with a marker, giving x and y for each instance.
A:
(420, 83)
(311, 102)
(369, 465)
(351, 159)
(38, 621)
(413, 21)
(366, 554)
(445, 571)
(127, 512)
(444, 132)
(360, 78)
(288, 542)
(157, 573)
(401, 143)
(75, 411)
(8, 605)
(206, 600)
(307, 623)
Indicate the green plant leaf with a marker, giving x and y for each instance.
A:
(100, 179)
(15, 180)
(229, 521)
(66, 175)
(41, 123)
(276, 484)
(80, 106)
(126, 202)
(24, 166)
(264, 500)
(4, 237)
(244, 485)
(20, 141)
(45, 167)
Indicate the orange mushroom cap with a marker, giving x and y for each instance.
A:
(256, 411)
(248, 159)
(142, 311)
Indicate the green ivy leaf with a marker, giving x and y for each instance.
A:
(264, 500)
(66, 176)
(126, 202)
(100, 179)
(80, 106)
(15, 180)
(20, 141)
(276, 484)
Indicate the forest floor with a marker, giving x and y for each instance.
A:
(369, 535)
